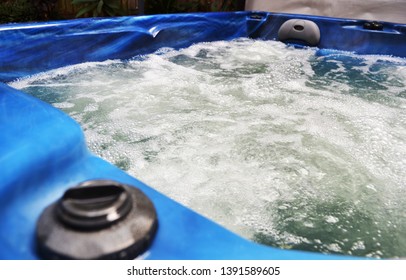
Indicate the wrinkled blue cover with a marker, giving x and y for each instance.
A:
(43, 152)
(32, 48)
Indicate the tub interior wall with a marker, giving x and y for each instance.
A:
(77, 41)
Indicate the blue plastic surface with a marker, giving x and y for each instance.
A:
(43, 152)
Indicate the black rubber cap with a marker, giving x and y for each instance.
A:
(99, 219)
(373, 25)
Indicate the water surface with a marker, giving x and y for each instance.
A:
(284, 146)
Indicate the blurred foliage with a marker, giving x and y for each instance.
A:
(190, 6)
(42, 10)
(27, 10)
(17, 11)
(98, 8)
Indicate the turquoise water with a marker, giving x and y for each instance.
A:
(280, 145)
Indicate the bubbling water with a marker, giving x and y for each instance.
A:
(284, 146)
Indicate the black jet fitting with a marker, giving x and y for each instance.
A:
(98, 219)
(93, 207)
(373, 25)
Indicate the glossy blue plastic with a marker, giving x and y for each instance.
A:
(43, 152)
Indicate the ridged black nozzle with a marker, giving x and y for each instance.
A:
(98, 219)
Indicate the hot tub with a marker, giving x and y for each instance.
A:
(43, 151)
